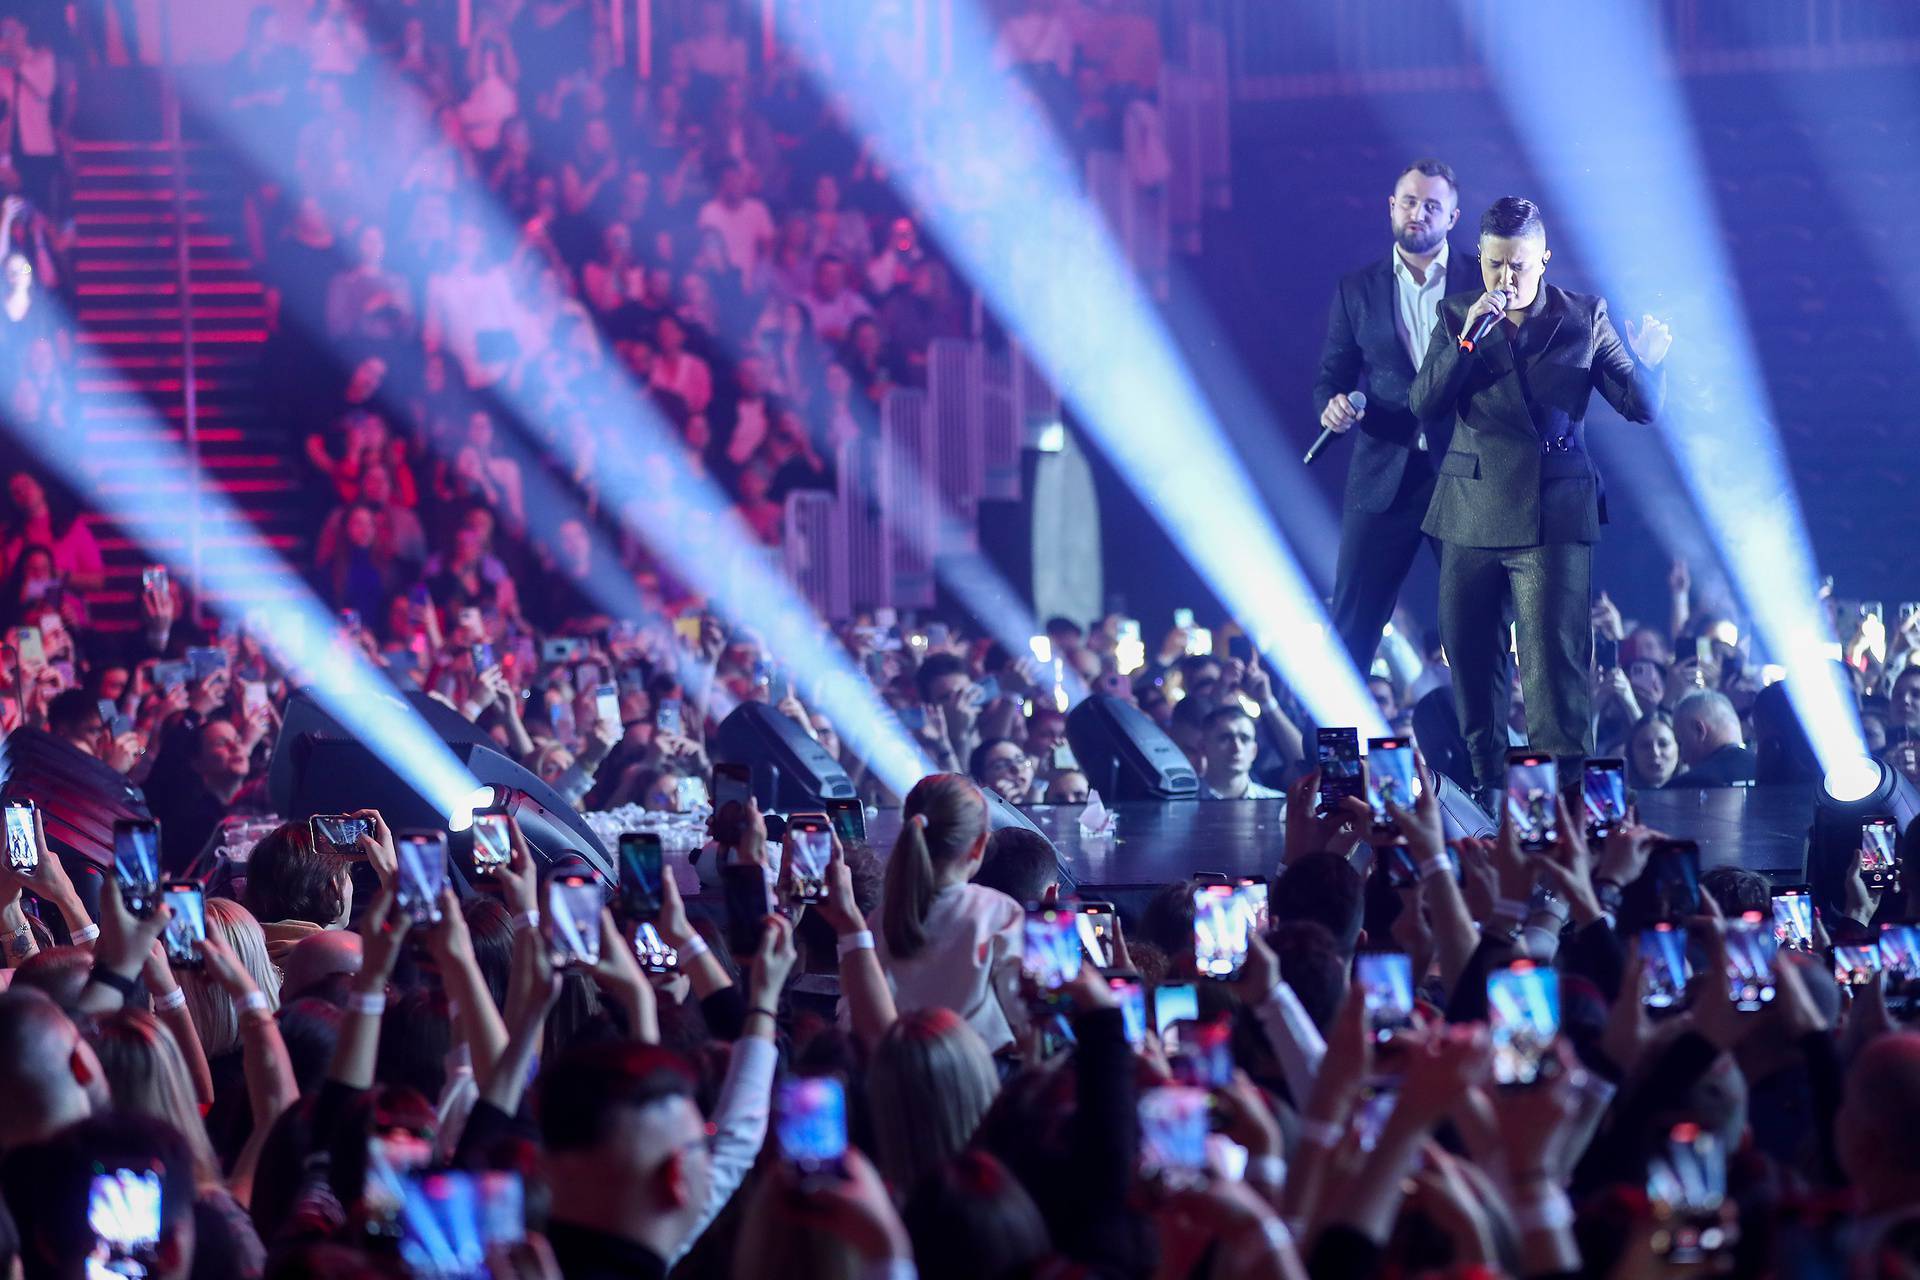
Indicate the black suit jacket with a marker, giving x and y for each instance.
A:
(1518, 473)
(1730, 766)
(1363, 350)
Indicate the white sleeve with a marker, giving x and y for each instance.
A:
(1296, 1042)
(739, 1128)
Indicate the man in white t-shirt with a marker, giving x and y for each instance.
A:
(29, 74)
(741, 221)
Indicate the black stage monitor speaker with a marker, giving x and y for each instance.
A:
(318, 767)
(791, 772)
(1125, 755)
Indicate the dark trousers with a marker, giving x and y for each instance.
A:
(1549, 589)
(1376, 551)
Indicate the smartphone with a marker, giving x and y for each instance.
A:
(574, 902)
(1386, 984)
(1750, 959)
(1391, 779)
(422, 875)
(136, 864)
(153, 578)
(187, 929)
(641, 868)
(123, 1212)
(655, 955)
(1606, 653)
(668, 718)
(606, 704)
(1174, 1123)
(1900, 956)
(1219, 931)
(1201, 1053)
(849, 818)
(206, 661)
(810, 845)
(1703, 650)
(1051, 955)
(732, 784)
(1174, 1003)
(586, 675)
(560, 650)
(1854, 966)
(484, 658)
(23, 837)
(492, 841)
(1523, 1018)
(1096, 932)
(1340, 771)
(29, 649)
(1253, 902)
(1686, 1188)
(338, 833)
(1533, 785)
(1880, 855)
(1664, 965)
(253, 696)
(1793, 917)
(1131, 996)
(1668, 889)
(810, 1124)
(1604, 787)
(989, 687)
(449, 1219)
(744, 890)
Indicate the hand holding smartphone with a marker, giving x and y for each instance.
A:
(642, 864)
(810, 1124)
(23, 837)
(136, 864)
(574, 903)
(1523, 1017)
(492, 841)
(809, 844)
(422, 874)
(1051, 954)
(1341, 775)
(1220, 931)
(1392, 780)
(1533, 789)
(187, 927)
(1604, 788)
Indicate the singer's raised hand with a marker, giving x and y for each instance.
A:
(1341, 414)
(1650, 340)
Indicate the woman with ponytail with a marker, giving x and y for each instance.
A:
(941, 938)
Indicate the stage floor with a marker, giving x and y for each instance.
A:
(1155, 843)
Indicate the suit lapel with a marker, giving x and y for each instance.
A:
(1384, 304)
(1502, 359)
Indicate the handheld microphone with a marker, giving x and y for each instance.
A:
(1484, 325)
(1358, 400)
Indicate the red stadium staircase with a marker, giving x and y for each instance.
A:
(132, 372)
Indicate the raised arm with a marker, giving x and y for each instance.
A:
(1636, 389)
(1443, 372)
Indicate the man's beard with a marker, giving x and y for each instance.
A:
(1414, 240)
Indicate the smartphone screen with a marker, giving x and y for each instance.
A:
(23, 840)
(1523, 1017)
(206, 661)
(1201, 1053)
(1253, 901)
(1880, 855)
(1174, 1002)
(123, 1212)
(641, 866)
(136, 864)
(1750, 955)
(1386, 984)
(606, 704)
(492, 843)
(444, 1224)
(423, 874)
(1174, 1123)
(1606, 653)
(810, 1124)
(1793, 918)
(1668, 889)
(1605, 792)
(1131, 996)
(573, 921)
(732, 784)
(1900, 952)
(1663, 956)
(339, 834)
(1533, 783)
(484, 658)
(744, 889)
(810, 846)
(1854, 966)
(1096, 932)
(849, 819)
(1391, 778)
(667, 717)
(1686, 1186)
(29, 649)
(187, 928)
(1051, 954)
(1219, 931)
(655, 955)
(1340, 771)
(154, 578)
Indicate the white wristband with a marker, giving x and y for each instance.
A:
(1434, 867)
(373, 1003)
(693, 948)
(174, 999)
(86, 934)
(528, 919)
(852, 942)
(1268, 1171)
(1552, 1212)
(253, 1000)
(1319, 1133)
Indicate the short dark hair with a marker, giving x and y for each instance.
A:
(583, 1090)
(938, 666)
(1324, 888)
(1737, 890)
(1512, 217)
(69, 709)
(288, 879)
(1311, 963)
(1019, 863)
(1428, 167)
(1221, 714)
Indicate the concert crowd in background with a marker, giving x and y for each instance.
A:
(263, 1104)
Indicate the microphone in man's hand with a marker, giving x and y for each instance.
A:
(1358, 400)
(1484, 325)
